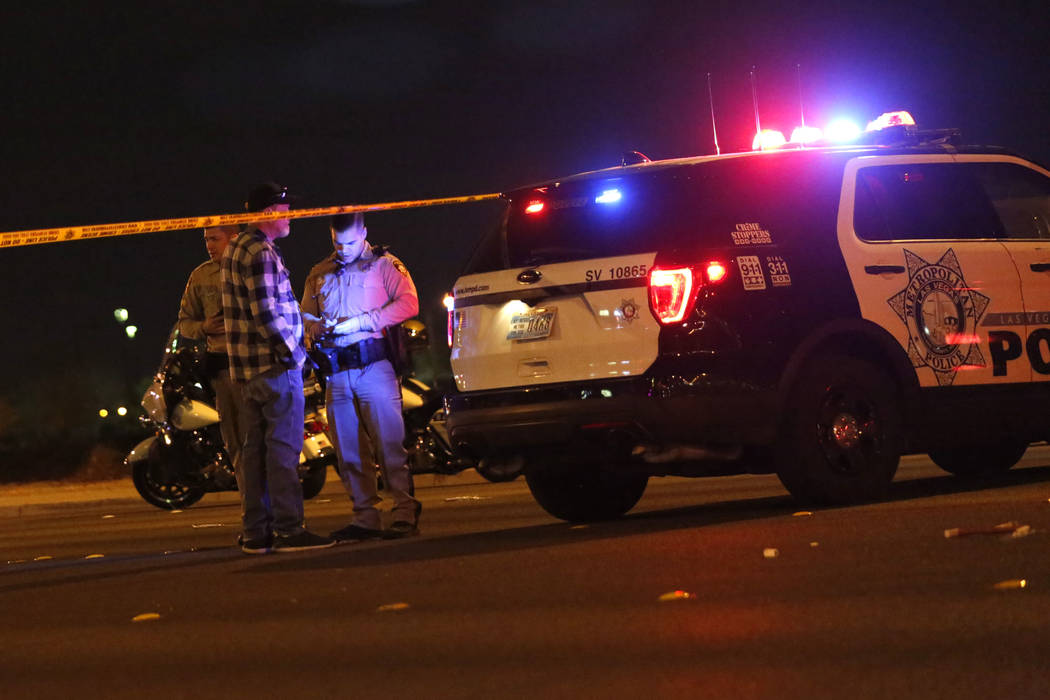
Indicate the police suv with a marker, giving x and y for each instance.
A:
(810, 311)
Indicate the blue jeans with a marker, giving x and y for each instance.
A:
(370, 399)
(267, 468)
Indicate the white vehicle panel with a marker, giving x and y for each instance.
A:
(936, 301)
(602, 326)
(1027, 336)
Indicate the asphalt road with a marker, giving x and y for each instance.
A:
(496, 599)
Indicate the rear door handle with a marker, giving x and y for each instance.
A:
(1040, 267)
(880, 269)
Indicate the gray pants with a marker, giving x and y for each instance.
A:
(271, 412)
(371, 396)
(228, 405)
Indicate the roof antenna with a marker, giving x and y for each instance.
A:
(801, 112)
(754, 101)
(711, 101)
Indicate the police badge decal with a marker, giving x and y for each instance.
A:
(941, 314)
(627, 312)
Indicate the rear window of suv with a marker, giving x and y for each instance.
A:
(573, 226)
(685, 207)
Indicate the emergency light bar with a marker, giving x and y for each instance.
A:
(888, 129)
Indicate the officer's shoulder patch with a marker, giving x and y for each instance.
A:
(398, 265)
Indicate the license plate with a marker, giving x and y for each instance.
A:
(532, 325)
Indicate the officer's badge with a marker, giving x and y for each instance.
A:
(941, 313)
(628, 311)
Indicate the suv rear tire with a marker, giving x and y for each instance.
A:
(842, 437)
(979, 461)
(585, 492)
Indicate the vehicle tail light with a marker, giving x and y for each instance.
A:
(715, 271)
(672, 291)
(450, 305)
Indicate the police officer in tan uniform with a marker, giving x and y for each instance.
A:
(200, 318)
(350, 297)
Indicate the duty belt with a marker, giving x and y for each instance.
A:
(354, 356)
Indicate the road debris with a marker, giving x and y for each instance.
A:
(1007, 528)
(1022, 531)
(145, 617)
(802, 513)
(1011, 584)
(676, 595)
(393, 607)
(467, 498)
(770, 552)
(107, 517)
(197, 526)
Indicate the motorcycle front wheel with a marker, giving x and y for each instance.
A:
(149, 482)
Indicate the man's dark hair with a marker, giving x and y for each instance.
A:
(341, 222)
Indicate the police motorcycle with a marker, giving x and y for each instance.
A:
(185, 457)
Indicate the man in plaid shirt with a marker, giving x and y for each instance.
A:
(264, 332)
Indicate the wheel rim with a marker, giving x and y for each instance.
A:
(175, 494)
(849, 431)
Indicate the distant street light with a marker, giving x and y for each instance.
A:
(131, 330)
(121, 315)
(122, 411)
(102, 413)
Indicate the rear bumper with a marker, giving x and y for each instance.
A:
(646, 410)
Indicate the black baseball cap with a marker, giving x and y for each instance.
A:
(268, 194)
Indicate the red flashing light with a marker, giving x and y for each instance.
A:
(671, 293)
(767, 139)
(535, 206)
(888, 119)
(806, 134)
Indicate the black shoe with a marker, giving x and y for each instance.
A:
(355, 533)
(400, 529)
(260, 545)
(301, 542)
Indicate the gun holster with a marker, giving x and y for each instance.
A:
(326, 359)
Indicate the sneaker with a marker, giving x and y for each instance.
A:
(399, 529)
(301, 542)
(259, 545)
(355, 533)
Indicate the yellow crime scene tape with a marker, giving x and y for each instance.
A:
(65, 234)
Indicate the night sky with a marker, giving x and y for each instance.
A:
(116, 113)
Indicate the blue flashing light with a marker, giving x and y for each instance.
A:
(842, 130)
(608, 197)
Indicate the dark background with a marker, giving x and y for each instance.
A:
(166, 109)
